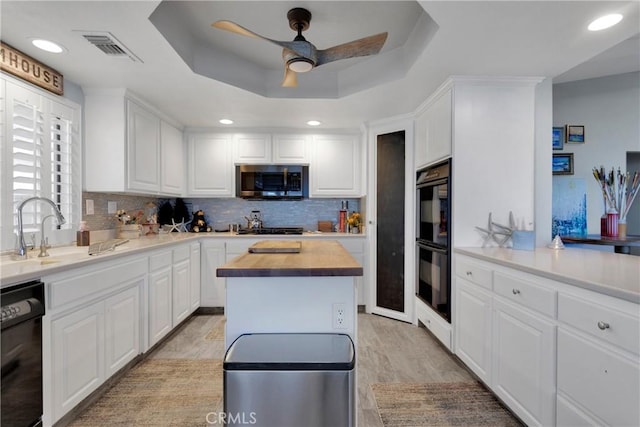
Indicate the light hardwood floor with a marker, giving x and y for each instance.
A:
(387, 351)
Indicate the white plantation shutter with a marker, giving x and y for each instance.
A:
(27, 138)
(65, 165)
(40, 146)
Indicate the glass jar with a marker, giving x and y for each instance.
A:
(622, 229)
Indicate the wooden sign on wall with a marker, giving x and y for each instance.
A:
(25, 67)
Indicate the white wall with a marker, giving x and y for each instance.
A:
(543, 183)
(609, 109)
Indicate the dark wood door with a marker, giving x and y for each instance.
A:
(390, 221)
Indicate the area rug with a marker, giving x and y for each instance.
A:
(439, 404)
(217, 332)
(160, 392)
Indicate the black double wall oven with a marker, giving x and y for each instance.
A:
(433, 237)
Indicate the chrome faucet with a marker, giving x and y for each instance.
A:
(21, 253)
(44, 241)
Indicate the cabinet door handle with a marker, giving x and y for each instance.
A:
(469, 273)
(603, 325)
(516, 291)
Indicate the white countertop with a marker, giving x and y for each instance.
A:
(609, 273)
(65, 257)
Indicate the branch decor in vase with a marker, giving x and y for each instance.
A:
(619, 190)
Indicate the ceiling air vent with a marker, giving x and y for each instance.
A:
(108, 44)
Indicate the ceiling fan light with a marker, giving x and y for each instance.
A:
(300, 65)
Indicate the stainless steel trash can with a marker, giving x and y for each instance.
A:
(280, 380)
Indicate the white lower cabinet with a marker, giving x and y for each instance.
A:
(598, 361)
(122, 328)
(102, 316)
(90, 331)
(558, 354)
(181, 284)
(473, 328)
(170, 287)
(523, 371)
(503, 335)
(212, 292)
(78, 357)
(194, 291)
(160, 296)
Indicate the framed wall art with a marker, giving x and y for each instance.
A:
(558, 138)
(575, 134)
(562, 164)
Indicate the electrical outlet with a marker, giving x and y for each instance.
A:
(339, 321)
(112, 207)
(89, 207)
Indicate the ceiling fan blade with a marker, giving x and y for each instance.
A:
(362, 47)
(235, 28)
(290, 78)
(301, 48)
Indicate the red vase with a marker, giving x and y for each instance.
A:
(612, 223)
(603, 225)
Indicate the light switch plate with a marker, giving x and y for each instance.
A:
(89, 207)
(112, 207)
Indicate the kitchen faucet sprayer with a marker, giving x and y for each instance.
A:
(21, 253)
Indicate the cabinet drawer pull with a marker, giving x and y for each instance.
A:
(516, 291)
(469, 273)
(603, 325)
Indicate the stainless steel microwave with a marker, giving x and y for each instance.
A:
(276, 182)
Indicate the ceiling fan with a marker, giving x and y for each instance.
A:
(300, 55)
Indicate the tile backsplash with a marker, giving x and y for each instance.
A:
(101, 219)
(219, 213)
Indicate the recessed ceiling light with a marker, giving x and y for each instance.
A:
(47, 45)
(605, 22)
(226, 121)
(313, 123)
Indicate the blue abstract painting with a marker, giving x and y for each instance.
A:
(569, 206)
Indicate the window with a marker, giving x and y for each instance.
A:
(42, 155)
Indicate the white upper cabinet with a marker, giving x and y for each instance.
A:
(261, 148)
(252, 148)
(125, 143)
(172, 160)
(433, 129)
(291, 149)
(210, 166)
(143, 137)
(335, 169)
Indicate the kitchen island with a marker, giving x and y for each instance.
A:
(310, 291)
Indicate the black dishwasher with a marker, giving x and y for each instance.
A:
(21, 342)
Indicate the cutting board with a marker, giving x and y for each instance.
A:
(275, 247)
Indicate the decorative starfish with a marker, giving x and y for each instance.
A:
(488, 232)
(504, 231)
(179, 227)
(494, 230)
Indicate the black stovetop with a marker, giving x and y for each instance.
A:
(271, 230)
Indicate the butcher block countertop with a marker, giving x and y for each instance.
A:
(316, 258)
